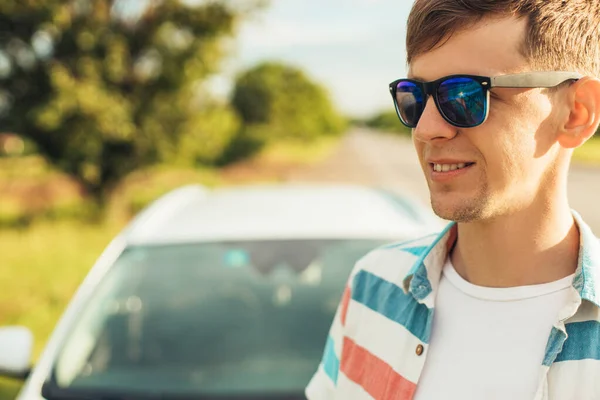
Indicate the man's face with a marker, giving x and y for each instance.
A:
(511, 157)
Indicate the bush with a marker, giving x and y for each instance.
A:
(388, 121)
(277, 101)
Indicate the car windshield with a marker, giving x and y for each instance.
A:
(213, 318)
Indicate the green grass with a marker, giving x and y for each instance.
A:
(44, 261)
(298, 152)
(41, 268)
(142, 187)
(387, 121)
(589, 153)
(9, 389)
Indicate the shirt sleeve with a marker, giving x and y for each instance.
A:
(323, 384)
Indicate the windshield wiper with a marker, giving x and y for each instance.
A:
(51, 391)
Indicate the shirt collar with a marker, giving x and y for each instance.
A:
(424, 276)
(587, 275)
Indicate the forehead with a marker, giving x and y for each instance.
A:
(489, 48)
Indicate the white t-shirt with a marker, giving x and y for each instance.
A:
(488, 343)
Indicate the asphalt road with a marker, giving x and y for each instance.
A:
(388, 160)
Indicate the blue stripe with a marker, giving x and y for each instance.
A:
(417, 251)
(583, 342)
(554, 346)
(419, 263)
(390, 301)
(331, 364)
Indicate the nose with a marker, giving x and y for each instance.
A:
(432, 125)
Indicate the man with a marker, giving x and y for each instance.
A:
(504, 303)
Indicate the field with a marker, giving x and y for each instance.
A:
(46, 255)
(589, 153)
(47, 244)
(43, 265)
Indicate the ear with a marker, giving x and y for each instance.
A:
(582, 113)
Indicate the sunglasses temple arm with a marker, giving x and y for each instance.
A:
(533, 79)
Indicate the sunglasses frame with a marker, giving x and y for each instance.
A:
(540, 79)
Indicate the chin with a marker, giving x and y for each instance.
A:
(462, 205)
(458, 211)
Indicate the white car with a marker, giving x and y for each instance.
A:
(214, 294)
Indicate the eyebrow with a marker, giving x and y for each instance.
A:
(417, 78)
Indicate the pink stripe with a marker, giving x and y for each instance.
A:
(345, 302)
(373, 374)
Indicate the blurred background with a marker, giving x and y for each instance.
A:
(107, 105)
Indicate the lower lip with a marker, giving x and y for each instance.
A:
(448, 175)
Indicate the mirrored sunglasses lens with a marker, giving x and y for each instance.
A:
(409, 103)
(462, 101)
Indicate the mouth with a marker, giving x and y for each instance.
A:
(449, 167)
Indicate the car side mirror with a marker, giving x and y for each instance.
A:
(16, 346)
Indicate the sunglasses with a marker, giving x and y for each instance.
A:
(463, 100)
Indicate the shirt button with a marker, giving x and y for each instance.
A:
(419, 350)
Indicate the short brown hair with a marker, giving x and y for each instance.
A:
(561, 34)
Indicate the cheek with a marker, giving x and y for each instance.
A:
(419, 147)
(521, 139)
(510, 154)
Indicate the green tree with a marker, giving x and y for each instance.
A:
(277, 101)
(387, 121)
(103, 87)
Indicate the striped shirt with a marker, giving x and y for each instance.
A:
(378, 341)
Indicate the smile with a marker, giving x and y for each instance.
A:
(449, 167)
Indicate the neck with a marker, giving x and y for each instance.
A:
(533, 246)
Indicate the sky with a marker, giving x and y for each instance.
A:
(352, 47)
